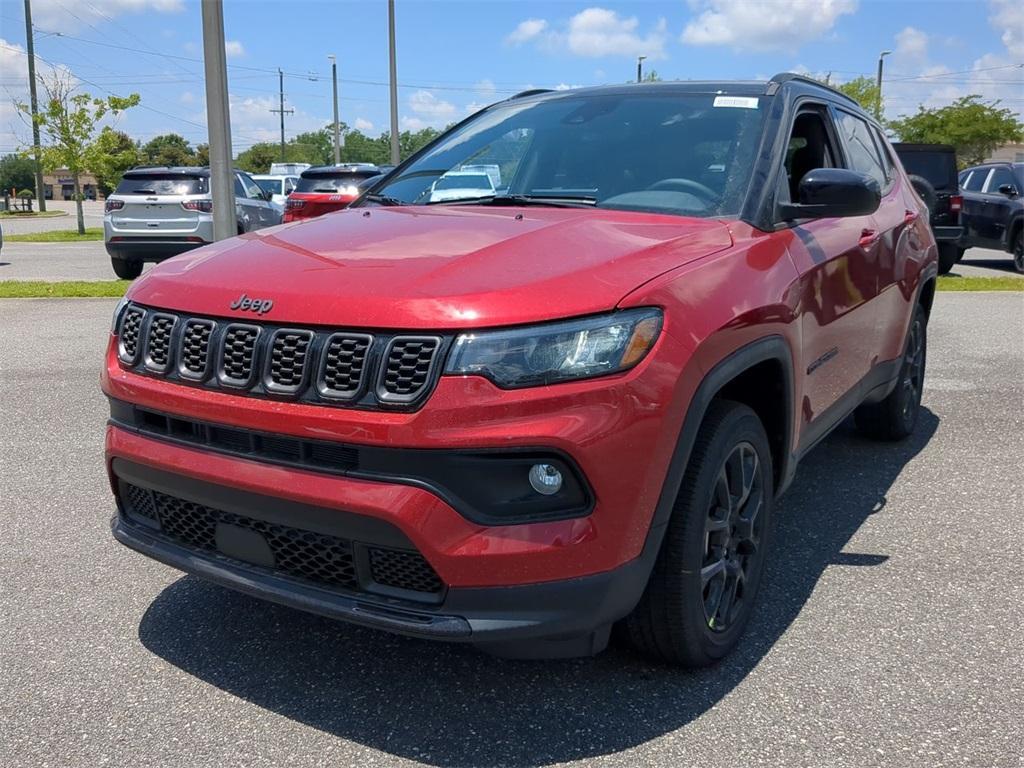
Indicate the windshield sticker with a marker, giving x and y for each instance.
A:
(743, 102)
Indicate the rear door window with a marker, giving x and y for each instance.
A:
(163, 184)
(860, 147)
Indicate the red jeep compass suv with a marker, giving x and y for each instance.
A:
(517, 418)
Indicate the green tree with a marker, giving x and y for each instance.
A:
(971, 125)
(67, 123)
(258, 157)
(168, 149)
(202, 154)
(17, 172)
(864, 91)
(314, 147)
(109, 156)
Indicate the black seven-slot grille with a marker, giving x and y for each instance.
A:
(324, 560)
(328, 366)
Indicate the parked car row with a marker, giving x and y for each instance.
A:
(982, 207)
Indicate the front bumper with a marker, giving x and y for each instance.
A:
(570, 617)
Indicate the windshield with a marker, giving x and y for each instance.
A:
(162, 184)
(335, 182)
(271, 186)
(672, 153)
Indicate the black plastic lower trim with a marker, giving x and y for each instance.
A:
(488, 485)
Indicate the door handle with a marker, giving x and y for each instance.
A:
(910, 217)
(868, 237)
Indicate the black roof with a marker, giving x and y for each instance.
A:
(175, 170)
(722, 87)
(330, 170)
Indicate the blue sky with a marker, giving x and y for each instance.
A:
(454, 56)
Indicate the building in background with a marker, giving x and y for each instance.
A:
(58, 185)
(1008, 153)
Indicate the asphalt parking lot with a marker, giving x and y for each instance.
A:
(888, 634)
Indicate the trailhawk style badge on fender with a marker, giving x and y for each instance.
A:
(259, 306)
(521, 413)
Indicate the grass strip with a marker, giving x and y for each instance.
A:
(32, 215)
(57, 236)
(40, 289)
(952, 283)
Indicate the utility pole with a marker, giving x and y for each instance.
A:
(878, 86)
(395, 152)
(218, 119)
(282, 110)
(640, 68)
(31, 49)
(337, 125)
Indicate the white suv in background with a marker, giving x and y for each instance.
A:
(156, 213)
(278, 187)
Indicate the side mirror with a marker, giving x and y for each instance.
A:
(1008, 189)
(833, 193)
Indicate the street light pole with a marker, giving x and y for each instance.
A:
(640, 68)
(30, 49)
(395, 152)
(218, 119)
(337, 125)
(878, 85)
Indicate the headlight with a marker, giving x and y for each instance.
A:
(545, 354)
(118, 311)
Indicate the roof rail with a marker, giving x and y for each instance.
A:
(530, 92)
(785, 77)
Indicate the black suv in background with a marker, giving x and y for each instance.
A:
(993, 209)
(932, 172)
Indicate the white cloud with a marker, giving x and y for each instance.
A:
(428, 110)
(15, 128)
(413, 123)
(1008, 17)
(187, 97)
(911, 43)
(779, 25)
(598, 32)
(233, 49)
(252, 121)
(53, 14)
(362, 124)
(485, 87)
(526, 31)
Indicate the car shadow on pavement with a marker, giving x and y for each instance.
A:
(450, 705)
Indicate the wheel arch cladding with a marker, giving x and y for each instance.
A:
(738, 376)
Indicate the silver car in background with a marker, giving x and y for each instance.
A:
(156, 213)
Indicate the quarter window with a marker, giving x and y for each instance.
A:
(860, 147)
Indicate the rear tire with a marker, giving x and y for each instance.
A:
(1018, 250)
(925, 190)
(702, 589)
(125, 269)
(895, 417)
(949, 255)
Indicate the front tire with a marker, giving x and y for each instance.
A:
(702, 589)
(125, 269)
(1018, 250)
(895, 417)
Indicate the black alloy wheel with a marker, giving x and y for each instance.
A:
(732, 537)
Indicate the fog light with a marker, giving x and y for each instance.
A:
(545, 479)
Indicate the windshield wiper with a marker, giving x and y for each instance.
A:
(376, 197)
(550, 201)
